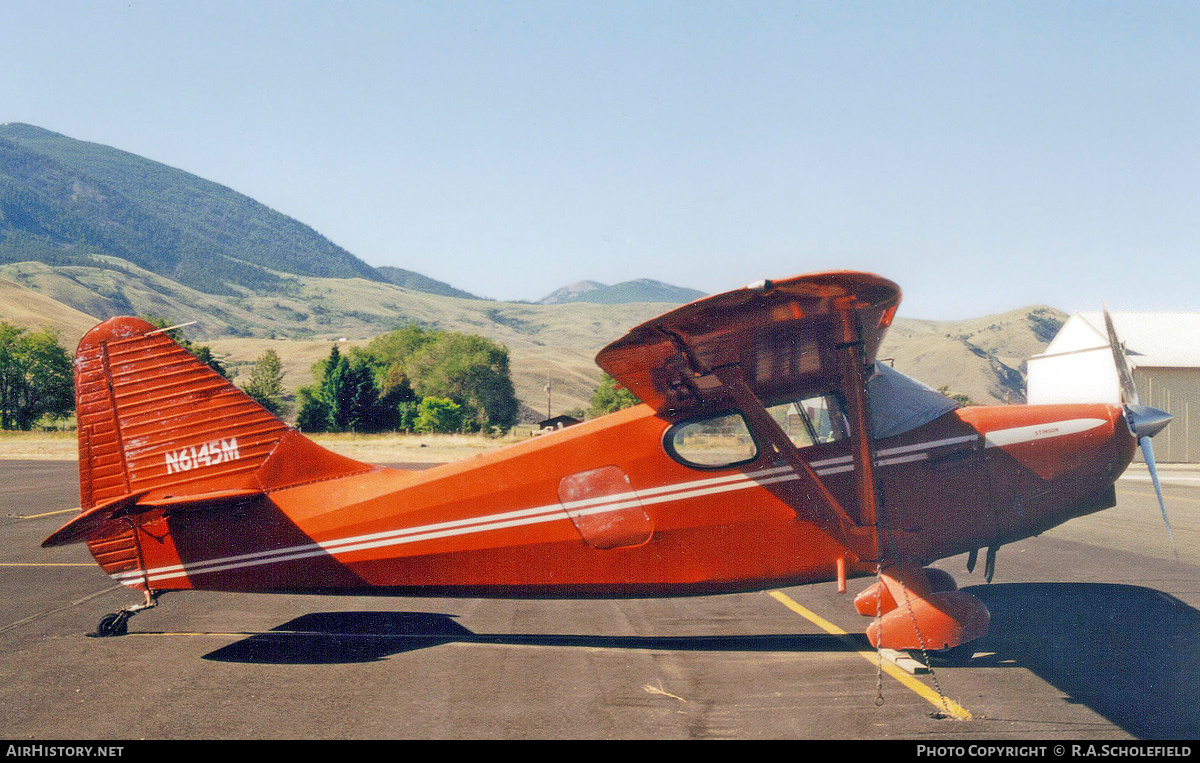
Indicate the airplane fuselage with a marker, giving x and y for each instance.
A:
(605, 509)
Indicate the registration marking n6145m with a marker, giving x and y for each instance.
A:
(207, 454)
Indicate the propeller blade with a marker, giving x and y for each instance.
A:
(1148, 454)
(1129, 393)
(1144, 421)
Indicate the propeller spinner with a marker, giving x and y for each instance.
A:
(1144, 421)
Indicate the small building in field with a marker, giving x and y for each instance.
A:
(1163, 350)
(554, 424)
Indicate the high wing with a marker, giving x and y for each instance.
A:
(765, 343)
(782, 335)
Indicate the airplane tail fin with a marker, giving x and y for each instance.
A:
(158, 428)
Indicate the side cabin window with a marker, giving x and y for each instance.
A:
(812, 420)
(713, 442)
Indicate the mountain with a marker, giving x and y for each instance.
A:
(417, 282)
(88, 232)
(63, 200)
(641, 290)
(983, 359)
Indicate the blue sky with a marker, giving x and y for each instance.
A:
(984, 155)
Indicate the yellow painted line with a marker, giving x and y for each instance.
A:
(951, 707)
(234, 634)
(47, 514)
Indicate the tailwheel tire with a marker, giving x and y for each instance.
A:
(113, 624)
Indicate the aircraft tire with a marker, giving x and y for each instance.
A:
(113, 624)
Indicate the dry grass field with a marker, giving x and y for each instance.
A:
(375, 449)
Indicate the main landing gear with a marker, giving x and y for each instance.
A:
(116, 623)
(922, 609)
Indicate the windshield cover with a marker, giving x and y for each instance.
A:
(900, 403)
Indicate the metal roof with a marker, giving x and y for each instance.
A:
(1152, 340)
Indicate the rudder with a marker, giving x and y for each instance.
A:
(160, 430)
(151, 415)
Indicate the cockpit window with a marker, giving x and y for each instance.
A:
(812, 420)
(897, 402)
(712, 442)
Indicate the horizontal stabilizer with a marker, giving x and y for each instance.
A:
(89, 521)
(297, 460)
(96, 517)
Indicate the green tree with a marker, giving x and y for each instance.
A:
(389, 352)
(343, 398)
(266, 383)
(470, 370)
(314, 412)
(36, 377)
(958, 397)
(610, 397)
(414, 363)
(355, 396)
(396, 408)
(438, 414)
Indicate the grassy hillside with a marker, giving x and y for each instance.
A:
(417, 282)
(22, 306)
(983, 358)
(545, 341)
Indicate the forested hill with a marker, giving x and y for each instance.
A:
(62, 200)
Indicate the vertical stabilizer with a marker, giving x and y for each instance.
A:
(160, 430)
(151, 415)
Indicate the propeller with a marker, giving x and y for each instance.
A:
(1144, 421)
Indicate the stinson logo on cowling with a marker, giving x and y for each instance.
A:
(208, 454)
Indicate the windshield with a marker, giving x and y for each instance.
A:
(898, 403)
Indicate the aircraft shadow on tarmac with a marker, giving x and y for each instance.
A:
(1127, 652)
(345, 637)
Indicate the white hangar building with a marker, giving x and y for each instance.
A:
(1164, 352)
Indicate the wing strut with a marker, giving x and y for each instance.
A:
(836, 520)
(861, 533)
(852, 362)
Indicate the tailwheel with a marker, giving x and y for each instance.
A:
(113, 624)
(117, 623)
